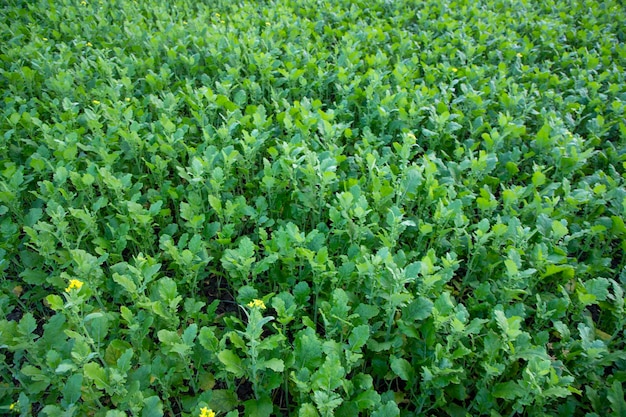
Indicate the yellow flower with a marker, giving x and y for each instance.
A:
(74, 285)
(96, 102)
(89, 44)
(267, 24)
(257, 303)
(12, 406)
(83, 3)
(127, 99)
(454, 69)
(222, 21)
(206, 412)
(519, 55)
(217, 15)
(45, 39)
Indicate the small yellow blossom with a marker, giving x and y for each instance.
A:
(206, 412)
(45, 39)
(96, 102)
(127, 99)
(184, 22)
(83, 3)
(454, 69)
(12, 406)
(268, 24)
(222, 21)
(257, 303)
(74, 285)
(89, 44)
(217, 15)
(519, 55)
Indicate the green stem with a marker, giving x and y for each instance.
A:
(285, 374)
(390, 323)
(192, 380)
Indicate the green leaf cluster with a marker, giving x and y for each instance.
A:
(316, 208)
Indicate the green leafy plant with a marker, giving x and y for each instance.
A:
(312, 208)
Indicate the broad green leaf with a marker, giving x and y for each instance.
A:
(307, 349)
(223, 401)
(274, 364)
(231, 362)
(543, 136)
(55, 302)
(258, 408)
(126, 282)
(33, 216)
(367, 399)
(153, 407)
(208, 340)
(216, 204)
(510, 326)
(511, 268)
(115, 413)
(419, 309)
(599, 287)
(98, 327)
(223, 101)
(359, 336)
(402, 368)
(558, 392)
(567, 270)
(508, 390)
(617, 399)
(168, 289)
(115, 350)
(326, 402)
(538, 178)
(52, 411)
(189, 335)
(307, 410)
(390, 409)
(27, 324)
(168, 337)
(455, 410)
(559, 229)
(329, 375)
(64, 367)
(72, 389)
(97, 374)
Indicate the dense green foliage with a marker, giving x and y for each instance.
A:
(427, 197)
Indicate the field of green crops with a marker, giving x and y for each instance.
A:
(312, 208)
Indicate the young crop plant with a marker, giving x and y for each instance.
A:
(312, 208)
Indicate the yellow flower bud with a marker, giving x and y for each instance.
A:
(206, 412)
(74, 284)
(257, 303)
